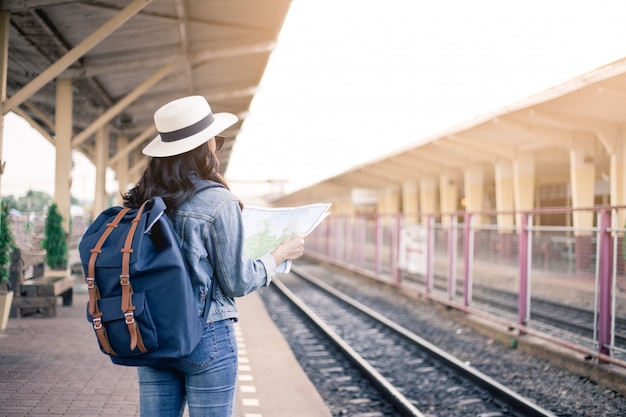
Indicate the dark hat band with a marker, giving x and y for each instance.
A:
(185, 132)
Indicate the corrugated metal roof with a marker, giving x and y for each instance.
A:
(218, 49)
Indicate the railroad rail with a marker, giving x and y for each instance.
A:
(476, 392)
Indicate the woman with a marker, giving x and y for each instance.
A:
(209, 223)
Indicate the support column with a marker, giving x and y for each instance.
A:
(63, 146)
(344, 205)
(583, 178)
(121, 171)
(448, 195)
(505, 200)
(524, 183)
(427, 198)
(388, 202)
(618, 177)
(475, 191)
(102, 157)
(410, 202)
(4, 59)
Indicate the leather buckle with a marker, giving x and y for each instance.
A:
(124, 280)
(90, 282)
(97, 323)
(129, 317)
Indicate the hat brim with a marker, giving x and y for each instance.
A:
(159, 149)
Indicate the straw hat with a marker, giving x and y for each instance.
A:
(185, 124)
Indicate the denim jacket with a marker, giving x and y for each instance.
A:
(210, 229)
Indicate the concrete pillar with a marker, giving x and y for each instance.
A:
(505, 200)
(121, 171)
(524, 183)
(583, 178)
(410, 202)
(474, 184)
(427, 198)
(618, 178)
(448, 195)
(344, 206)
(4, 59)
(388, 203)
(63, 147)
(102, 157)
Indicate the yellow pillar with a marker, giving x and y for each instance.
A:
(343, 205)
(5, 24)
(475, 190)
(618, 178)
(583, 178)
(504, 193)
(524, 182)
(121, 171)
(427, 197)
(102, 157)
(63, 148)
(388, 203)
(410, 202)
(448, 195)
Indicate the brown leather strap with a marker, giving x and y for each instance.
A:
(127, 290)
(94, 292)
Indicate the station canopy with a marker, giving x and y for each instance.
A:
(127, 58)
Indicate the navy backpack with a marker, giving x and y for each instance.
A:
(141, 302)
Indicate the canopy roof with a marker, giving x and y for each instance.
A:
(126, 59)
(587, 112)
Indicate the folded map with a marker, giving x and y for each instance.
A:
(265, 228)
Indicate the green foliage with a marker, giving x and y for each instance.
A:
(6, 243)
(33, 202)
(55, 241)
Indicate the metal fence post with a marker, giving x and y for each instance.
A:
(430, 253)
(522, 302)
(468, 255)
(606, 277)
(452, 255)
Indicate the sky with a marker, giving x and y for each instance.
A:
(352, 81)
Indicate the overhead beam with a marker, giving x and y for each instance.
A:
(132, 145)
(203, 56)
(69, 58)
(133, 62)
(473, 155)
(607, 132)
(24, 5)
(497, 150)
(181, 12)
(108, 115)
(545, 133)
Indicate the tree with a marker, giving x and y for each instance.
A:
(6, 243)
(55, 241)
(34, 202)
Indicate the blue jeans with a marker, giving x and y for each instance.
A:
(205, 379)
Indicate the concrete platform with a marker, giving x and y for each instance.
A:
(53, 367)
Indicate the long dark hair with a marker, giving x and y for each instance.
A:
(171, 178)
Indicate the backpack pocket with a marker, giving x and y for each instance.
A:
(119, 332)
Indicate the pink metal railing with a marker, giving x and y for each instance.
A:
(584, 268)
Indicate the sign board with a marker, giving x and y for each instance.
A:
(413, 253)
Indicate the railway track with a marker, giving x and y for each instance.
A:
(566, 318)
(415, 377)
(552, 317)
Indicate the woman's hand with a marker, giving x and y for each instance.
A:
(291, 248)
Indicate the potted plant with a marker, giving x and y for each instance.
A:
(55, 240)
(6, 246)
